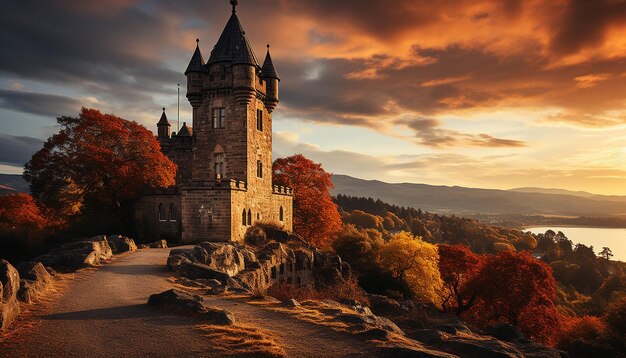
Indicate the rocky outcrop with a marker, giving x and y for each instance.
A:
(35, 280)
(160, 244)
(9, 286)
(121, 244)
(179, 302)
(75, 255)
(250, 268)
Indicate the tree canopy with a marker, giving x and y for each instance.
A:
(96, 159)
(316, 217)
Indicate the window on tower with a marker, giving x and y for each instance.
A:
(219, 117)
(218, 166)
(259, 120)
(259, 169)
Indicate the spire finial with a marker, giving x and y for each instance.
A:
(234, 4)
(163, 109)
(197, 42)
(268, 47)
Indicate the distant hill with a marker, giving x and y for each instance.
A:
(460, 200)
(13, 183)
(582, 194)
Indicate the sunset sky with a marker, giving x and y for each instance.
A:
(490, 94)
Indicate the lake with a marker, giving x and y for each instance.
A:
(615, 239)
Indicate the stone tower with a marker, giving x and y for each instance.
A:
(224, 180)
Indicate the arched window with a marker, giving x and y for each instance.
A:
(259, 169)
(243, 218)
(161, 213)
(172, 213)
(258, 216)
(249, 217)
(281, 214)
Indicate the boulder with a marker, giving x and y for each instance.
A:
(221, 257)
(177, 257)
(142, 246)
(290, 303)
(35, 280)
(9, 286)
(507, 332)
(368, 321)
(176, 301)
(121, 244)
(383, 305)
(195, 271)
(159, 244)
(75, 255)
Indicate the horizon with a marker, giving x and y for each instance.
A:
(482, 94)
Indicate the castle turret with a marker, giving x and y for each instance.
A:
(163, 128)
(195, 72)
(268, 73)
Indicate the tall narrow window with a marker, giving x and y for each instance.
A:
(172, 213)
(218, 166)
(219, 118)
(259, 120)
(249, 217)
(161, 213)
(259, 169)
(243, 218)
(281, 214)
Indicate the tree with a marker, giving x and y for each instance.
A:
(22, 225)
(516, 288)
(458, 266)
(606, 253)
(413, 261)
(316, 218)
(97, 162)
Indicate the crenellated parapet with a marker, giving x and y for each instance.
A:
(283, 190)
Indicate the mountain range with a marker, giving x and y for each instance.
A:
(462, 200)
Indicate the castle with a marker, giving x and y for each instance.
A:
(224, 178)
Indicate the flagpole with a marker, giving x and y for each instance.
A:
(178, 105)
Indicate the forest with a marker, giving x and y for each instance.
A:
(563, 294)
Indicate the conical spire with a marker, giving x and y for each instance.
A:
(197, 62)
(163, 121)
(184, 131)
(268, 70)
(233, 45)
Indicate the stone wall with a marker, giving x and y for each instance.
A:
(147, 224)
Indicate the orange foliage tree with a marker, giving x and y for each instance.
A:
(458, 265)
(316, 217)
(96, 161)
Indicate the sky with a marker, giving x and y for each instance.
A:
(489, 94)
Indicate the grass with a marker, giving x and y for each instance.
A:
(242, 341)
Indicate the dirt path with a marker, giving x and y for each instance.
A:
(102, 313)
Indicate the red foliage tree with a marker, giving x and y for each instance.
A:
(98, 160)
(316, 217)
(458, 266)
(517, 289)
(20, 213)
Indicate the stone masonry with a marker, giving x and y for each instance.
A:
(224, 179)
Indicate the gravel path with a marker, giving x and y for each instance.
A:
(102, 313)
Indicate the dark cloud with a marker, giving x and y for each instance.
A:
(429, 132)
(15, 150)
(39, 103)
(584, 23)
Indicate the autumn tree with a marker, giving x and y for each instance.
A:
(415, 262)
(22, 226)
(97, 162)
(516, 288)
(316, 217)
(458, 266)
